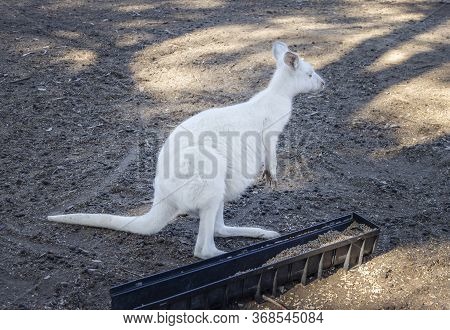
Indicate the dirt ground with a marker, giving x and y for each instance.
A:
(90, 89)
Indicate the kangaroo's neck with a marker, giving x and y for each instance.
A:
(277, 97)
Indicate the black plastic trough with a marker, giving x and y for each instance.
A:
(219, 281)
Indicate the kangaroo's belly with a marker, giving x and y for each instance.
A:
(244, 164)
(234, 188)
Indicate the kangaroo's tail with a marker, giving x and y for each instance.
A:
(150, 223)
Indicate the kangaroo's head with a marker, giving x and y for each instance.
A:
(297, 76)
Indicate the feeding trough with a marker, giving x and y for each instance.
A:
(254, 270)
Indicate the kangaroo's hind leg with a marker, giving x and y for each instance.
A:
(205, 246)
(220, 230)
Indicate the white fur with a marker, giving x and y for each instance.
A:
(197, 175)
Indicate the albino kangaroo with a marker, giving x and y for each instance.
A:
(214, 156)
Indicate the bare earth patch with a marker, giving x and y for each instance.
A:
(404, 278)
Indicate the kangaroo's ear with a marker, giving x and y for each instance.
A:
(279, 48)
(292, 60)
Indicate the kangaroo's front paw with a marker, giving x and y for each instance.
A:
(270, 179)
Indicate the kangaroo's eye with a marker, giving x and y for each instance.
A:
(310, 75)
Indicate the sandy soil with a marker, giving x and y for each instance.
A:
(90, 89)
